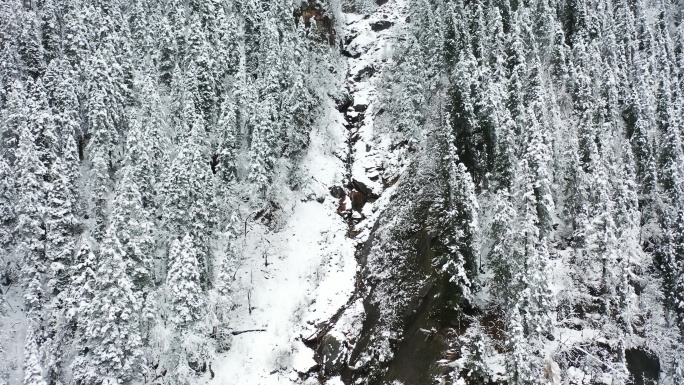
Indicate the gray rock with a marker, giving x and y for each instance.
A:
(381, 25)
(337, 192)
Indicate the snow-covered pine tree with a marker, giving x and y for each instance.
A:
(7, 209)
(186, 299)
(226, 143)
(188, 196)
(519, 363)
(460, 224)
(183, 282)
(29, 45)
(265, 125)
(30, 228)
(148, 143)
(504, 251)
(82, 287)
(61, 222)
(134, 230)
(113, 348)
(33, 370)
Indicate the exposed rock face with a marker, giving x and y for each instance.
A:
(337, 192)
(381, 25)
(313, 11)
(643, 366)
(409, 304)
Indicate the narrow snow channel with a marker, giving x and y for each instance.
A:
(295, 279)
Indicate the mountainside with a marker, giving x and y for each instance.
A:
(341, 192)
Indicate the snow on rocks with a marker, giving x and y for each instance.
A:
(296, 279)
(369, 43)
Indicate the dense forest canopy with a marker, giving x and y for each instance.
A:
(129, 132)
(526, 181)
(567, 116)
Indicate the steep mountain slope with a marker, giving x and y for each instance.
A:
(528, 238)
(341, 192)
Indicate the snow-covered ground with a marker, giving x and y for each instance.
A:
(310, 269)
(295, 277)
(12, 334)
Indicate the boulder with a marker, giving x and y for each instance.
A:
(358, 200)
(365, 190)
(343, 100)
(337, 192)
(360, 107)
(381, 25)
(644, 366)
(364, 72)
(332, 352)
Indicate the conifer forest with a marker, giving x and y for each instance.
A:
(342, 192)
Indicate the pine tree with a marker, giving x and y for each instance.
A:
(265, 125)
(148, 143)
(7, 209)
(112, 330)
(50, 29)
(200, 69)
(460, 224)
(82, 287)
(468, 132)
(538, 158)
(299, 98)
(183, 282)
(518, 361)
(33, 372)
(530, 278)
(61, 224)
(504, 251)
(134, 231)
(61, 227)
(61, 86)
(227, 146)
(78, 38)
(30, 46)
(100, 154)
(30, 228)
(189, 201)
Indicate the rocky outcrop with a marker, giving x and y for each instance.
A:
(643, 366)
(403, 303)
(313, 11)
(410, 306)
(381, 25)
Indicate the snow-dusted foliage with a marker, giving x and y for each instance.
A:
(468, 192)
(567, 117)
(136, 137)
